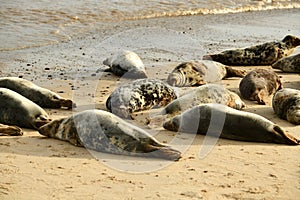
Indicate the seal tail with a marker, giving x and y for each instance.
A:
(284, 138)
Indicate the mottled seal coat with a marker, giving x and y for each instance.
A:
(210, 93)
(20, 111)
(41, 96)
(126, 63)
(225, 122)
(288, 64)
(10, 130)
(195, 73)
(286, 105)
(259, 84)
(104, 132)
(142, 94)
(262, 54)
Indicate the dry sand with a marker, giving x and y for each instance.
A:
(35, 167)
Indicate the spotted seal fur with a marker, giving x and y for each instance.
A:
(142, 94)
(286, 105)
(104, 132)
(10, 130)
(200, 72)
(41, 96)
(210, 93)
(225, 122)
(288, 64)
(126, 63)
(259, 84)
(262, 54)
(20, 111)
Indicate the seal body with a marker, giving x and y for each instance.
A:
(41, 96)
(126, 63)
(288, 64)
(286, 105)
(142, 94)
(210, 93)
(104, 132)
(259, 84)
(262, 54)
(225, 122)
(20, 111)
(10, 130)
(195, 73)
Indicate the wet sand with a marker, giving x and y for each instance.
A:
(35, 167)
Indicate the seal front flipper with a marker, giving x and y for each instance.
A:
(6, 130)
(230, 72)
(164, 152)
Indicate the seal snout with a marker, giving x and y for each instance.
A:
(172, 124)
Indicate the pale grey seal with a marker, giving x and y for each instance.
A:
(288, 64)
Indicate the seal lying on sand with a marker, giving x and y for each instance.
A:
(41, 96)
(104, 132)
(126, 63)
(142, 94)
(10, 130)
(286, 104)
(263, 54)
(20, 111)
(288, 64)
(220, 120)
(200, 72)
(259, 84)
(210, 93)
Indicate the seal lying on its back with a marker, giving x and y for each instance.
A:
(259, 84)
(10, 130)
(41, 96)
(126, 63)
(20, 111)
(139, 95)
(220, 120)
(263, 54)
(210, 93)
(288, 64)
(286, 104)
(200, 72)
(104, 132)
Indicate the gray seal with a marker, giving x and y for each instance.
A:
(195, 73)
(20, 111)
(127, 64)
(288, 64)
(286, 105)
(259, 84)
(102, 131)
(6, 130)
(209, 93)
(262, 54)
(142, 94)
(237, 125)
(41, 96)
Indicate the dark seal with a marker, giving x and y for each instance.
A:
(235, 125)
(259, 84)
(41, 96)
(142, 94)
(262, 54)
(20, 111)
(104, 132)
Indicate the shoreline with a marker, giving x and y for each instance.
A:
(33, 167)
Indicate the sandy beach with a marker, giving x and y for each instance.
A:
(35, 167)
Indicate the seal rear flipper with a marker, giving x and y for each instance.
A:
(230, 72)
(6, 130)
(284, 138)
(162, 152)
